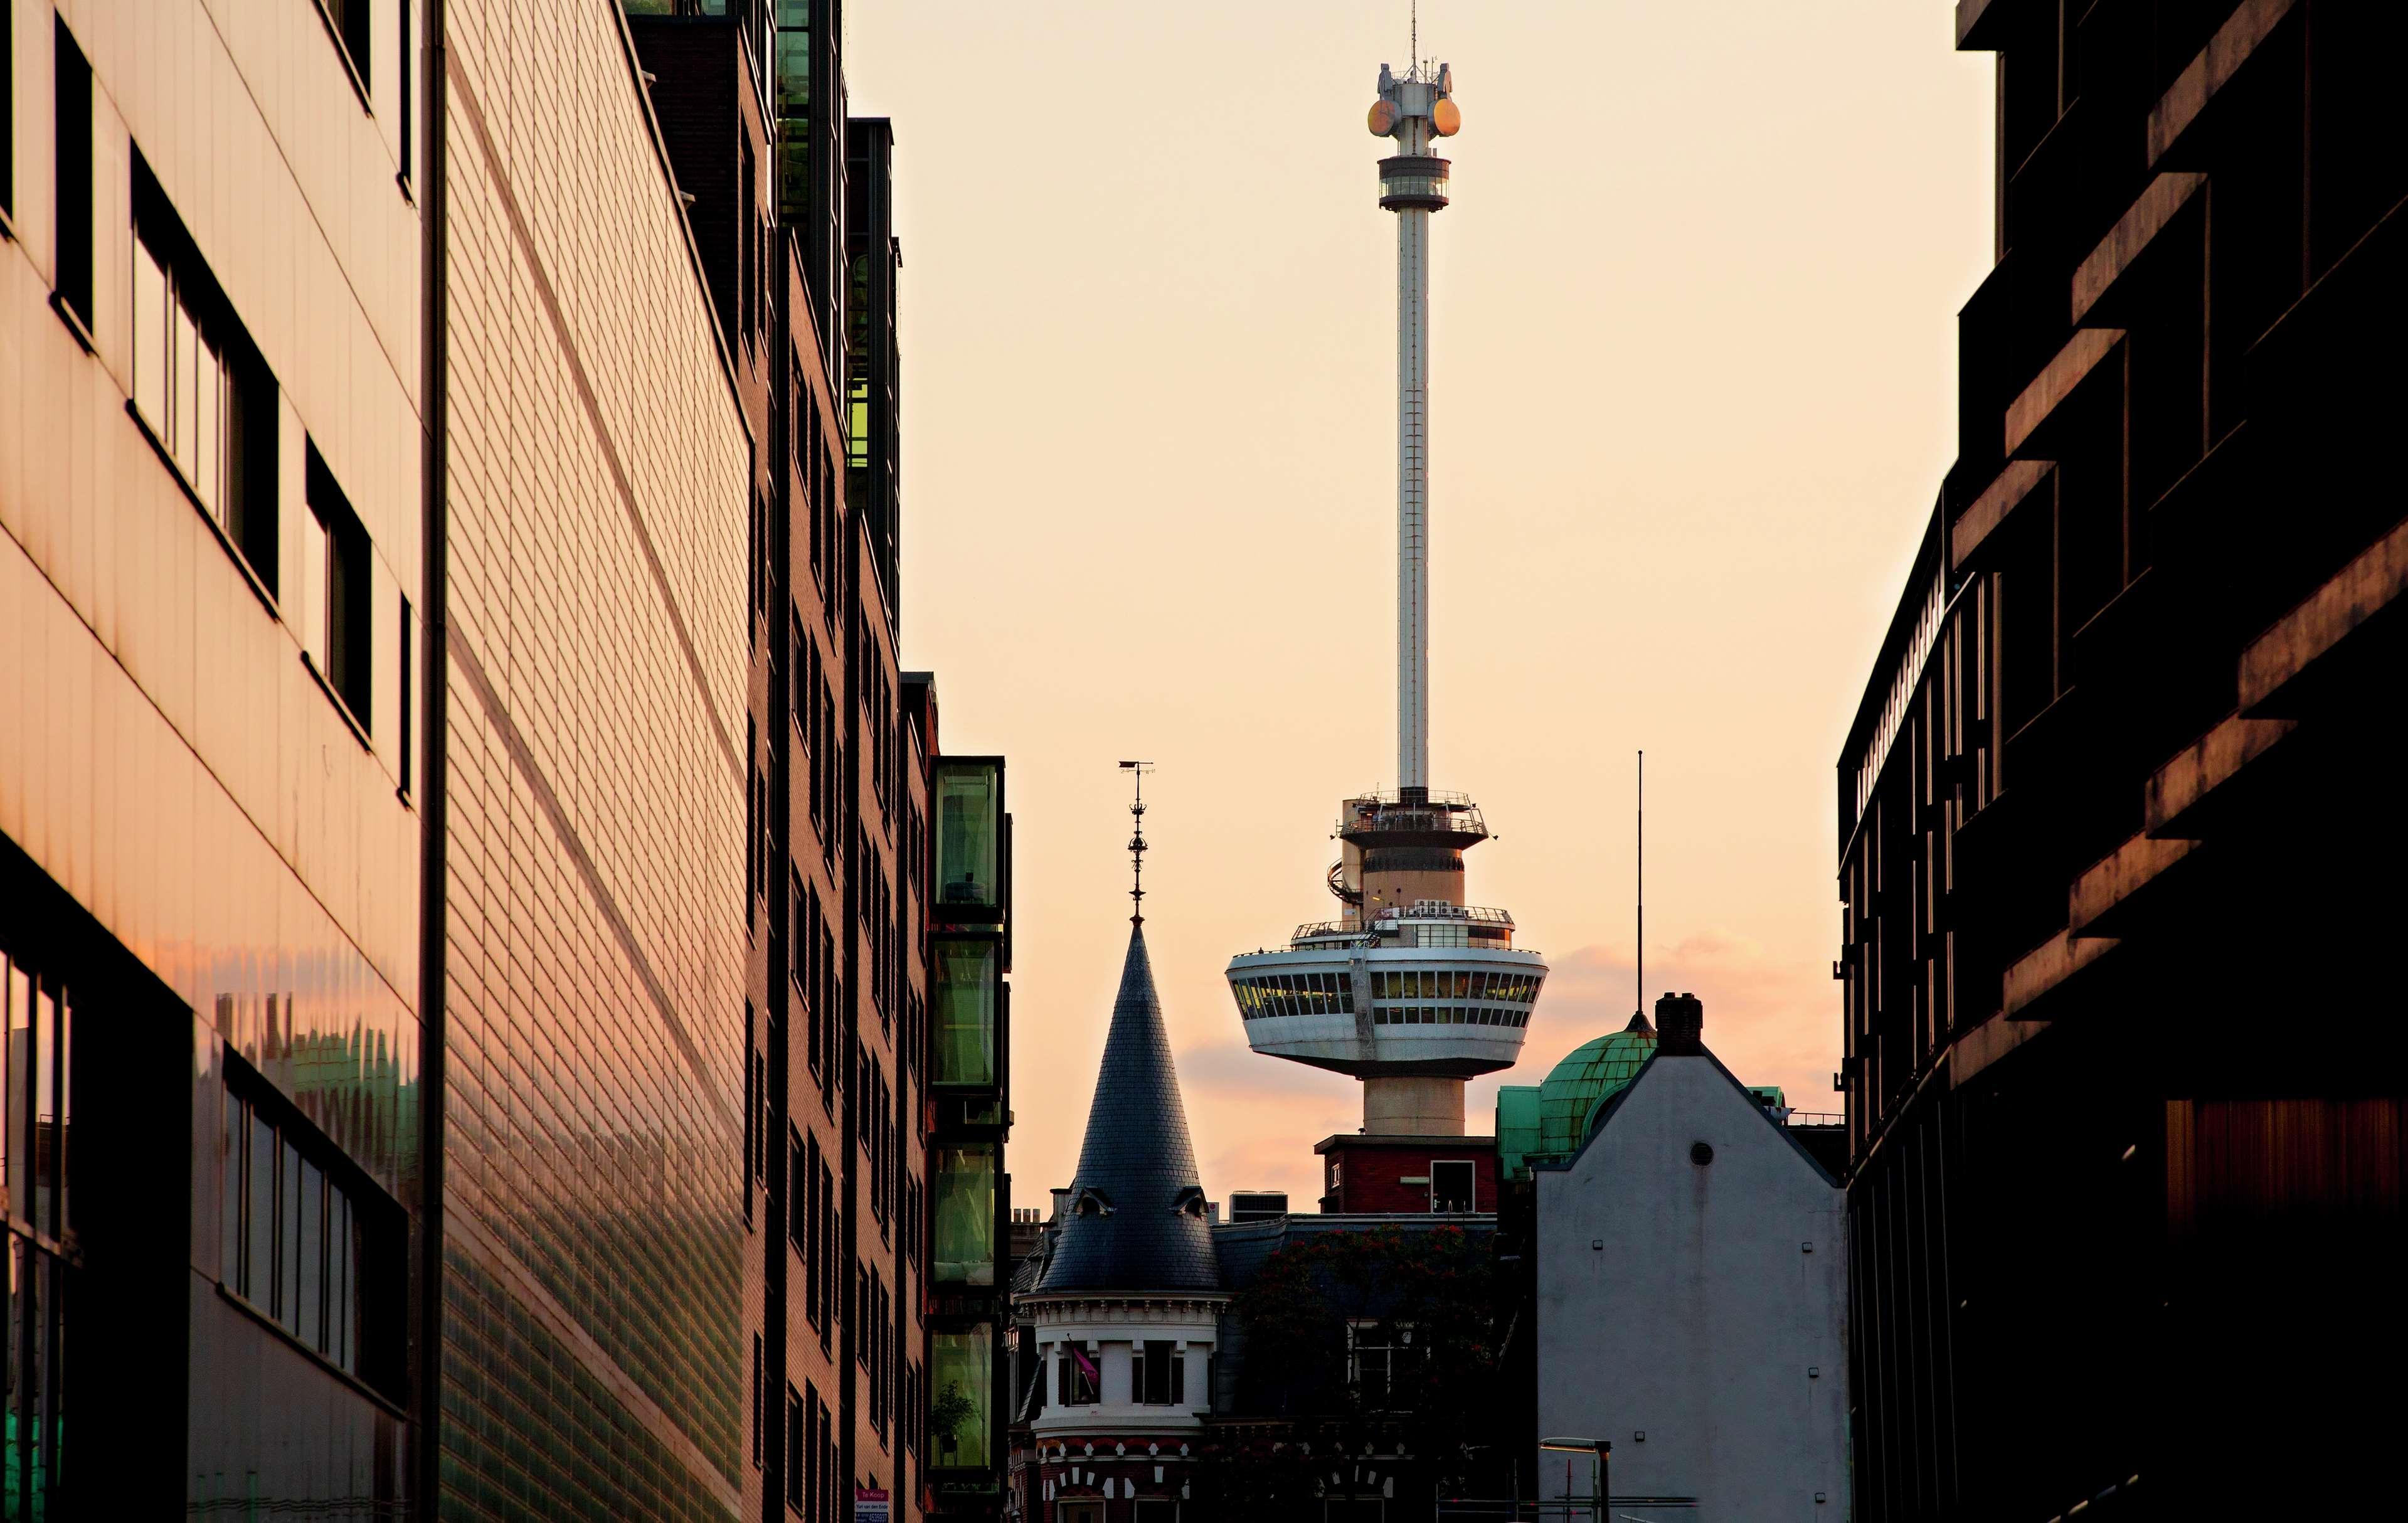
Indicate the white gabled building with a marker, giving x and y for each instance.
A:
(1692, 1299)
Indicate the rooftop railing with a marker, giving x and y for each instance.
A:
(1424, 911)
(1425, 813)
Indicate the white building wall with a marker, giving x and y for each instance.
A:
(1701, 1305)
(1112, 1331)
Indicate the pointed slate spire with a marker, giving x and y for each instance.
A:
(1135, 1216)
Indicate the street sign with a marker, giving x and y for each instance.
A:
(869, 1505)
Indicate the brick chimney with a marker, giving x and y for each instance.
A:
(1681, 1026)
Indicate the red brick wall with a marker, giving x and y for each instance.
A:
(1371, 1175)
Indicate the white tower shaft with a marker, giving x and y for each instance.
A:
(1412, 488)
(1416, 112)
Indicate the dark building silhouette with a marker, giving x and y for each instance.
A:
(2117, 814)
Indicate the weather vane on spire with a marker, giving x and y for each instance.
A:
(1137, 769)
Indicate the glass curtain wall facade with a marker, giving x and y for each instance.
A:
(211, 790)
(970, 1004)
(590, 920)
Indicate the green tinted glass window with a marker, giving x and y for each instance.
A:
(965, 997)
(965, 1226)
(961, 1388)
(970, 836)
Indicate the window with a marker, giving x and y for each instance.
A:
(826, 1480)
(36, 1080)
(35, 1074)
(1378, 1356)
(406, 53)
(298, 1235)
(1453, 1185)
(756, 823)
(970, 835)
(748, 278)
(804, 1203)
(330, 591)
(1156, 1510)
(757, 551)
(1159, 1374)
(963, 1249)
(406, 647)
(881, 1340)
(760, 1417)
(856, 419)
(1075, 1510)
(7, 111)
(961, 1371)
(71, 101)
(352, 23)
(799, 1448)
(1079, 1382)
(967, 979)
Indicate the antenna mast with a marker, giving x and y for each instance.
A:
(1136, 770)
(1639, 971)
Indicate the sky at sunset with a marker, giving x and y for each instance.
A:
(1693, 390)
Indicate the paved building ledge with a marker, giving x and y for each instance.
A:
(2130, 237)
(2049, 965)
(2001, 497)
(2315, 628)
(2210, 71)
(2117, 877)
(2180, 786)
(2082, 355)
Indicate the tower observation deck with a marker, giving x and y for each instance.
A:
(1412, 989)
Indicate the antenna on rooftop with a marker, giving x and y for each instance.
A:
(1136, 770)
(1639, 969)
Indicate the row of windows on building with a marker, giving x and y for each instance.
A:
(1382, 1014)
(812, 962)
(874, 893)
(352, 24)
(874, 1346)
(1270, 995)
(814, 1482)
(35, 1074)
(208, 403)
(297, 1235)
(962, 1234)
(815, 1225)
(1157, 1373)
(874, 1113)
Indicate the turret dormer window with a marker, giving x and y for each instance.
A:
(1190, 1202)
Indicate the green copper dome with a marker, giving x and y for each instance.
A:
(1594, 1073)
